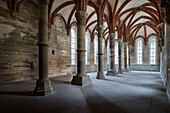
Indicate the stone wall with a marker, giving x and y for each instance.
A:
(165, 67)
(145, 66)
(59, 49)
(18, 43)
(19, 50)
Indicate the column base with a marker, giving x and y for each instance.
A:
(100, 75)
(81, 80)
(43, 88)
(126, 70)
(120, 72)
(112, 73)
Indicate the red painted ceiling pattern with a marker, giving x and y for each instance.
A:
(128, 27)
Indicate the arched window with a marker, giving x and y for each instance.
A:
(152, 51)
(108, 52)
(87, 46)
(73, 46)
(139, 52)
(116, 52)
(95, 49)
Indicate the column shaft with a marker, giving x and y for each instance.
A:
(43, 85)
(112, 71)
(120, 57)
(100, 74)
(81, 78)
(125, 56)
(129, 61)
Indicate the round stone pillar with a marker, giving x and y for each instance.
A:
(81, 78)
(100, 74)
(112, 71)
(43, 84)
(129, 61)
(120, 56)
(125, 57)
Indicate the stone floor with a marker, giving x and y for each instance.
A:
(133, 92)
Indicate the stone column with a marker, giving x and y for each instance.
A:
(104, 56)
(120, 57)
(129, 60)
(92, 53)
(133, 58)
(125, 57)
(100, 74)
(81, 78)
(43, 84)
(112, 71)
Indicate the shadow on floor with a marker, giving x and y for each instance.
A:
(17, 93)
(60, 81)
(99, 104)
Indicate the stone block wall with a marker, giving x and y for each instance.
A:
(59, 49)
(18, 43)
(19, 50)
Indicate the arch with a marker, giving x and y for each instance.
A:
(88, 18)
(52, 22)
(121, 8)
(92, 4)
(74, 23)
(70, 17)
(90, 24)
(150, 36)
(22, 2)
(54, 13)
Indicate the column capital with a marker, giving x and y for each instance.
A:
(126, 44)
(81, 17)
(112, 35)
(161, 25)
(119, 40)
(130, 46)
(100, 28)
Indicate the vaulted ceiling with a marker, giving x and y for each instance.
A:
(130, 18)
(138, 18)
